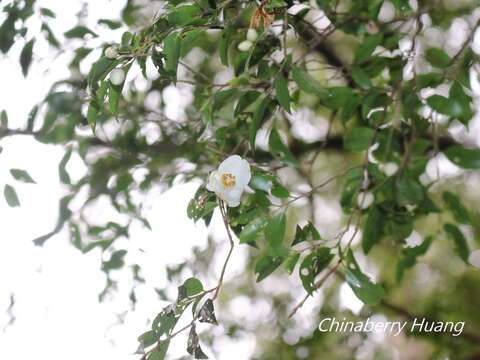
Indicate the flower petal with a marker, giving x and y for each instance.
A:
(242, 173)
(230, 164)
(232, 197)
(213, 181)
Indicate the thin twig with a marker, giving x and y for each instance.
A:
(223, 210)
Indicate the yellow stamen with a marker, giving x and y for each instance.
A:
(228, 180)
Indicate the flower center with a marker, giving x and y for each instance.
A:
(228, 180)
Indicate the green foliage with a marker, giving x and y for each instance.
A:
(312, 265)
(366, 290)
(22, 175)
(461, 245)
(409, 257)
(290, 66)
(11, 196)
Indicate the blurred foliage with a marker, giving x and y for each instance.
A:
(251, 67)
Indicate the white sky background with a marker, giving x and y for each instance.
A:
(56, 287)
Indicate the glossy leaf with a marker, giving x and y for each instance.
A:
(281, 91)
(26, 56)
(461, 246)
(22, 175)
(365, 289)
(463, 157)
(279, 149)
(312, 265)
(11, 196)
(358, 139)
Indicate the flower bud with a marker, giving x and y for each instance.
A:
(111, 52)
(245, 45)
(365, 199)
(252, 35)
(117, 76)
(389, 168)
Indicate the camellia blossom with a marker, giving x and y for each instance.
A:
(230, 180)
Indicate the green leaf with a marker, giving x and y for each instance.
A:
(281, 91)
(92, 114)
(307, 83)
(275, 230)
(22, 175)
(184, 15)
(279, 190)
(360, 77)
(62, 171)
(439, 103)
(373, 229)
(438, 58)
(223, 98)
(160, 352)
(148, 338)
(261, 114)
(171, 50)
(429, 80)
(193, 286)
(11, 196)
(261, 182)
(312, 265)
(99, 70)
(408, 190)
(459, 99)
(460, 212)
(114, 92)
(7, 34)
(111, 24)
(116, 260)
(366, 290)
(338, 97)
(202, 205)
(47, 12)
(367, 47)
(402, 5)
(190, 40)
(3, 119)
(251, 231)
(307, 233)
(279, 149)
(460, 241)
(266, 265)
(291, 261)
(465, 158)
(456, 106)
(224, 45)
(79, 32)
(26, 56)
(358, 138)
(410, 255)
(245, 100)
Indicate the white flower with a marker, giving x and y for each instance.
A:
(111, 52)
(389, 168)
(365, 199)
(117, 76)
(230, 180)
(245, 45)
(252, 35)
